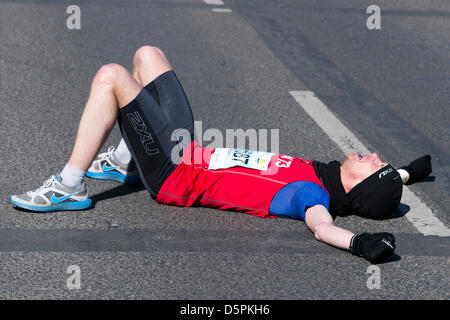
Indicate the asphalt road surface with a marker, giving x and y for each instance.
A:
(238, 65)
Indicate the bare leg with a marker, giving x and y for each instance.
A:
(148, 63)
(113, 87)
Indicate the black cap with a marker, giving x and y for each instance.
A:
(377, 196)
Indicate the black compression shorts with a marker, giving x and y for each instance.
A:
(150, 126)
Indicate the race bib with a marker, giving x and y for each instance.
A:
(223, 158)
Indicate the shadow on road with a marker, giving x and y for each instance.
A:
(401, 211)
(118, 191)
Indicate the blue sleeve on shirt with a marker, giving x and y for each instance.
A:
(293, 199)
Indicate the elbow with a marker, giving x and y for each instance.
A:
(320, 230)
(317, 232)
(317, 236)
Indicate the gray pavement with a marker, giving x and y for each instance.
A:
(389, 86)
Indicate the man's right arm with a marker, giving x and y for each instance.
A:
(417, 170)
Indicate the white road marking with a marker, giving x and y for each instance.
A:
(217, 3)
(419, 215)
(222, 10)
(214, 2)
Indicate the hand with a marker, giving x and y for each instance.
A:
(419, 169)
(375, 248)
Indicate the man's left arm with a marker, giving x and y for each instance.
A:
(321, 223)
(375, 248)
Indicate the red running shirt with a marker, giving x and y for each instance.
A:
(236, 188)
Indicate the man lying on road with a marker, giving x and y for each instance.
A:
(158, 148)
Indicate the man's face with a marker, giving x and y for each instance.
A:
(360, 167)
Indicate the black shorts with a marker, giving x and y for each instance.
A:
(156, 126)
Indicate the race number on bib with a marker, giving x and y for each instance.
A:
(223, 158)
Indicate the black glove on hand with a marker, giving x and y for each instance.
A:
(419, 169)
(375, 247)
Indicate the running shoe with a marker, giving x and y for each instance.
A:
(107, 167)
(53, 196)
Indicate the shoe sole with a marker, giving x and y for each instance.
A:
(66, 206)
(115, 176)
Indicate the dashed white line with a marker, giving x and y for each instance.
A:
(420, 215)
(214, 2)
(221, 10)
(217, 3)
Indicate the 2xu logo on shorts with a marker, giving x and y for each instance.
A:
(145, 137)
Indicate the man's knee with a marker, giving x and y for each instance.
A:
(148, 55)
(109, 74)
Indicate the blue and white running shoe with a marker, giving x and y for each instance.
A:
(53, 196)
(107, 167)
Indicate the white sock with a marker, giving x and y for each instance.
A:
(122, 153)
(72, 177)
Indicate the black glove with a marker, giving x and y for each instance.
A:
(419, 169)
(375, 247)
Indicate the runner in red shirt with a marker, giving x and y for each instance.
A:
(158, 148)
